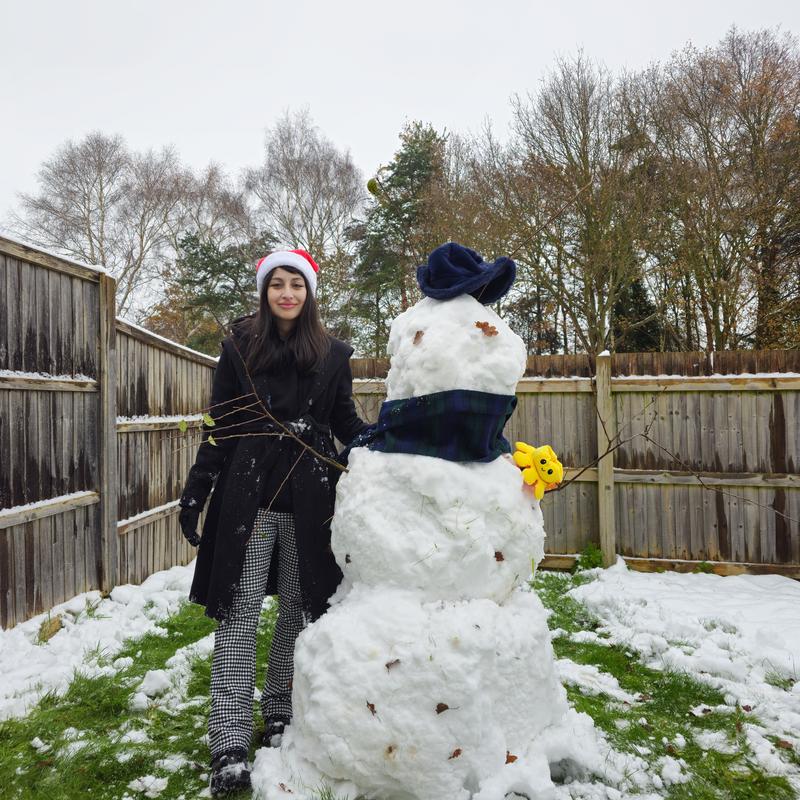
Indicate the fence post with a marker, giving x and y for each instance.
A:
(107, 436)
(606, 428)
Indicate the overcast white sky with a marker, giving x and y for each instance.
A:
(209, 77)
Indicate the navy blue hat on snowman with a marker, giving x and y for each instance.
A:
(453, 270)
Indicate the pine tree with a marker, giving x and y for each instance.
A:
(396, 235)
(635, 322)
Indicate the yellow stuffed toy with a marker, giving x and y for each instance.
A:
(540, 467)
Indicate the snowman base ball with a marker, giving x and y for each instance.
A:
(401, 700)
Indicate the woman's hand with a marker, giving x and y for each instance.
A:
(188, 519)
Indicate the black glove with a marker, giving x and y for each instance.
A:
(188, 519)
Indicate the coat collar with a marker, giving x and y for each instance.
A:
(338, 355)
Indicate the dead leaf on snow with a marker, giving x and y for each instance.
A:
(49, 628)
(486, 328)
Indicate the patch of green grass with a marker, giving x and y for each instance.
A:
(565, 612)
(779, 681)
(663, 710)
(99, 708)
(590, 557)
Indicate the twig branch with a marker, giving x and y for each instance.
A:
(705, 485)
(552, 218)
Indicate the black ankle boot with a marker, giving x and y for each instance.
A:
(274, 728)
(229, 772)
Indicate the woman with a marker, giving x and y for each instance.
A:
(281, 387)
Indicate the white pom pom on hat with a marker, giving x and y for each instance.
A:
(299, 259)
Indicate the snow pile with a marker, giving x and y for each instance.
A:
(173, 763)
(134, 736)
(433, 674)
(92, 627)
(739, 634)
(39, 746)
(167, 687)
(592, 681)
(149, 785)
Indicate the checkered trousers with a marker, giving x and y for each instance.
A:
(230, 724)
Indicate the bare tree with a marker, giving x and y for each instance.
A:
(100, 203)
(762, 71)
(213, 207)
(307, 193)
(587, 191)
(721, 136)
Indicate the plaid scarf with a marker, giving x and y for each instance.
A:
(458, 425)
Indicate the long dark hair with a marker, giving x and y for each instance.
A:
(306, 346)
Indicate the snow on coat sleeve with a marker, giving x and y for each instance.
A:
(345, 422)
(211, 457)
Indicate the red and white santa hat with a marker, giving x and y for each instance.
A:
(299, 259)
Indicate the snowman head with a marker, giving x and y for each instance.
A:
(442, 345)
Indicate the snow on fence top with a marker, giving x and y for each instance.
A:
(728, 363)
(155, 339)
(649, 378)
(30, 248)
(44, 376)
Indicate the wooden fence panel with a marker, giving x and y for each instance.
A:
(56, 433)
(157, 377)
(724, 432)
(153, 465)
(40, 309)
(49, 421)
(158, 380)
(46, 561)
(736, 523)
(59, 439)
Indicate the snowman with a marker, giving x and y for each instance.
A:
(432, 675)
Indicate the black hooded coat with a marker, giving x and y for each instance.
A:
(237, 467)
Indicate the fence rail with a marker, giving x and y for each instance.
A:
(92, 462)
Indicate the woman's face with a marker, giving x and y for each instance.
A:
(286, 294)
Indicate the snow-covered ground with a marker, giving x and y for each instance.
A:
(739, 634)
(92, 626)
